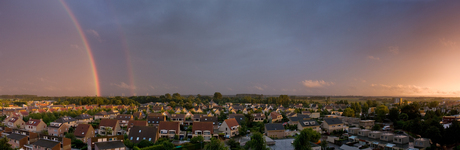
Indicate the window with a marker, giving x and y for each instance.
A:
(140, 131)
(150, 139)
(137, 138)
(131, 138)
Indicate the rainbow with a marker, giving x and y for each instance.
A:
(87, 47)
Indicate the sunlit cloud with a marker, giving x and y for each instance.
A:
(447, 43)
(394, 50)
(410, 90)
(123, 85)
(95, 34)
(316, 83)
(259, 88)
(373, 58)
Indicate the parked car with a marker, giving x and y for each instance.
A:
(386, 128)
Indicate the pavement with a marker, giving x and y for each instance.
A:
(282, 144)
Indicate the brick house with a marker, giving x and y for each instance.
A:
(178, 118)
(229, 127)
(47, 142)
(331, 124)
(19, 138)
(124, 119)
(169, 129)
(133, 123)
(72, 122)
(205, 129)
(35, 125)
(15, 122)
(57, 129)
(106, 143)
(139, 133)
(274, 116)
(155, 118)
(274, 130)
(303, 124)
(101, 115)
(110, 124)
(83, 132)
(84, 118)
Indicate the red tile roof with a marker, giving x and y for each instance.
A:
(108, 123)
(33, 122)
(81, 130)
(230, 122)
(166, 125)
(133, 123)
(203, 126)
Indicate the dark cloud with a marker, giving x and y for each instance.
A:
(267, 47)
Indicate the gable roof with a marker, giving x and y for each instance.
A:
(83, 116)
(109, 145)
(108, 123)
(331, 121)
(82, 129)
(133, 123)
(33, 122)
(143, 132)
(307, 123)
(65, 119)
(13, 119)
(212, 119)
(231, 122)
(124, 117)
(167, 125)
(274, 126)
(203, 126)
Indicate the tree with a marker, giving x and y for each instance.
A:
(381, 111)
(433, 104)
(217, 96)
(4, 144)
(197, 139)
(215, 144)
(394, 114)
(108, 130)
(234, 145)
(403, 116)
(323, 144)
(302, 141)
(257, 142)
(144, 143)
(349, 112)
(376, 127)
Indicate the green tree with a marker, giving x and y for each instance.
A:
(323, 144)
(302, 141)
(144, 143)
(217, 96)
(234, 145)
(4, 145)
(257, 142)
(376, 127)
(403, 116)
(348, 112)
(394, 114)
(215, 144)
(197, 139)
(381, 111)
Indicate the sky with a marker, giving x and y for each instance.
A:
(348, 47)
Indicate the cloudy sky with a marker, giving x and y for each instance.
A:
(376, 48)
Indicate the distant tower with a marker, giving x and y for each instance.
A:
(398, 101)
